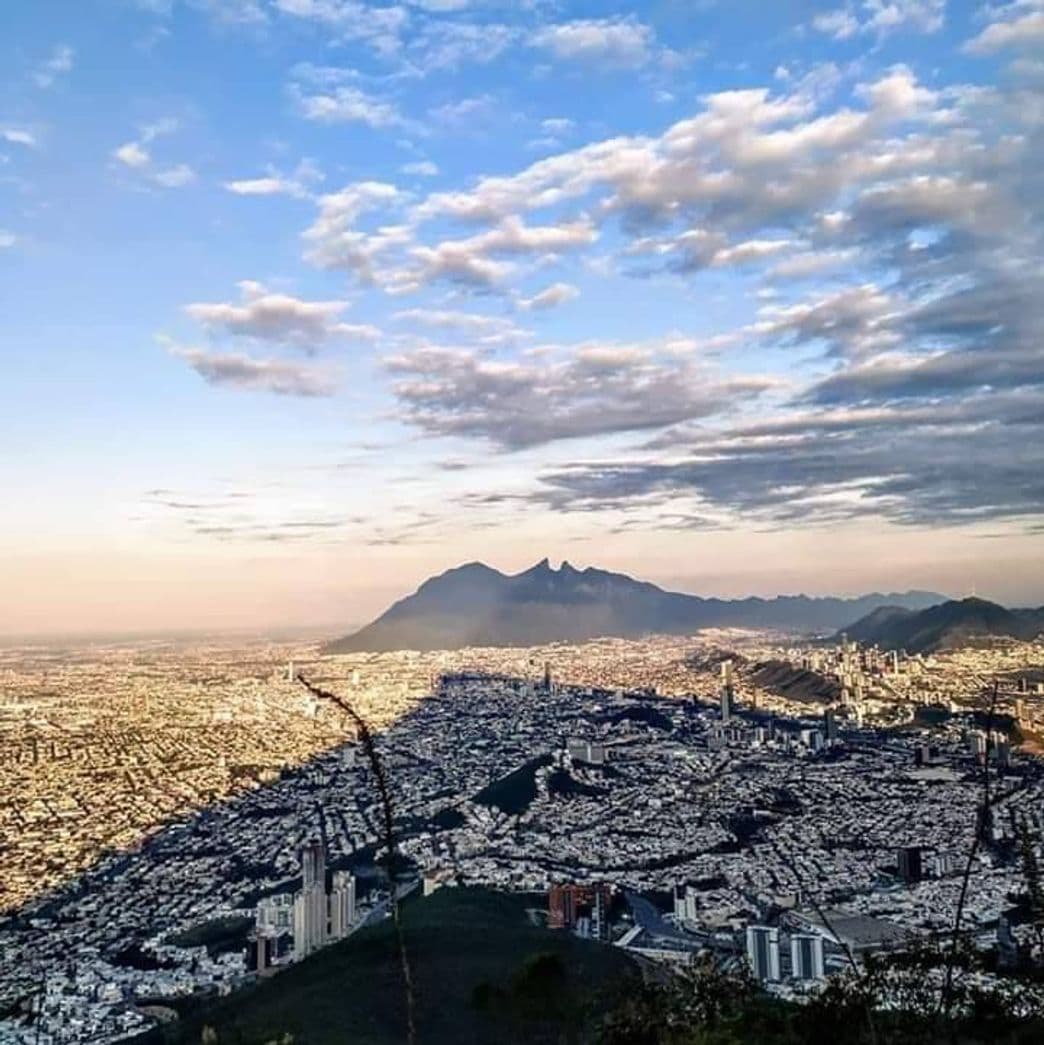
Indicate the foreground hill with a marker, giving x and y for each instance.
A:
(483, 975)
(958, 622)
(482, 972)
(475, 605)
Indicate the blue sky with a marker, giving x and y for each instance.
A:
(306, 299)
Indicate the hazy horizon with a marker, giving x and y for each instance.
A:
(231, 621)
(308, 300)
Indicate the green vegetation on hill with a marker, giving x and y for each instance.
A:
(513, 793)
(483, 972)
(218, 936)
(946, 626)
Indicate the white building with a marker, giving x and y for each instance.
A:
(686, 903)
(763, 951)
(806, 956)
(341, 904)
(310, 913)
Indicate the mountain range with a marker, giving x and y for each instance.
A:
(957, 622)
(476, 605)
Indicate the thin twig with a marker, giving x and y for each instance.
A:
(370, 749)
(982, 818)
(821, 914)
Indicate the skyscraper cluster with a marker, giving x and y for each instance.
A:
(763, 953)
(314, 916)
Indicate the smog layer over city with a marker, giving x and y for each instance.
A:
(524, 522)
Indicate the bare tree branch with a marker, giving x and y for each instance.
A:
(387, 840)
(981, 826)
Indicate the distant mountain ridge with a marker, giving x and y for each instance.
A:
(956, 622)
(476, 605)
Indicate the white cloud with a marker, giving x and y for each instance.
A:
(16, 136)
(840, 24)
(235, 370)
(58, 64)
(549, 297)
(616, 41)
(334, 241)
(266, 186)
(586, 390)
(134, 156)
(347, 105)
(174, 177)
(420, 168)
(557, 125)
(441, 6)
(465, 112)
(468, 262)
(1018, 26)
(453, 261)
(485, 329)
(274, 183)
(448, 45)
(7, 239)
(380, 27)
(750, 250)
(881, 17)
(280, 318)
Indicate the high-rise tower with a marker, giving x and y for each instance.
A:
(727, 697)
(763, 951)
(310, 909)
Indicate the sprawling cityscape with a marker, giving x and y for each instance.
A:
(155, 791)
(522, 522)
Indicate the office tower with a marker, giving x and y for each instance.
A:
(342, 904)
(910, 869)
(291, 672)
(686, 903)
(600, 913)
(830, 724)
(806, 956)
(568, 905)
(1002, 750)
(679, 900)
(561, 907)
(310, 913)
(763, 951)
(977, 745)
(313, 864)
(580, 750)
(727, 697)
(812, 739)
(547, 676)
